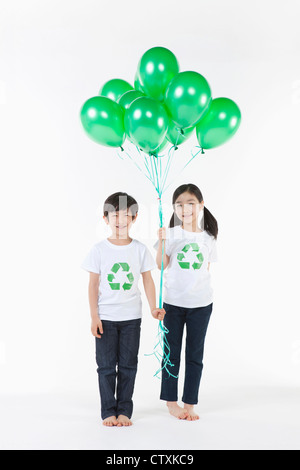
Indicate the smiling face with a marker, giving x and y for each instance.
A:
(187, 208)
(120, 222)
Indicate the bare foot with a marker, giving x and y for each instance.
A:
(176, 410)
(110, 421)
(123, 421)
(192, 416)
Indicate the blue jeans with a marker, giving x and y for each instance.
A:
(117, 358)
(196, 321)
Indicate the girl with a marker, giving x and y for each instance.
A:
(188, 296)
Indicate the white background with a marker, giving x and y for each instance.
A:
(54, 56)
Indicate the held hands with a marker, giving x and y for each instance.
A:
(96, 327)
(158, 313)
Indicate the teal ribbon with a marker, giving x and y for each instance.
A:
(158, 175)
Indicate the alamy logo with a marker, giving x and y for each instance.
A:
(113, 278)
(181, 257)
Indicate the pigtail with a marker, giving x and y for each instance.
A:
(210, 223)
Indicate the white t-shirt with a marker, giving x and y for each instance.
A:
(119, 297)
(187, 279)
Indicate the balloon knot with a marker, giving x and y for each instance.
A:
(121, 148)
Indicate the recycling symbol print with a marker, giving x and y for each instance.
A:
(195, 250)
(112, 277)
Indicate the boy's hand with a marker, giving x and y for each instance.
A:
(158, 313)
(97, 328)
(161, 233)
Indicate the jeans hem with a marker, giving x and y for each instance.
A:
(103, 417)
(190, 402)
(168, 399)
(128, 415)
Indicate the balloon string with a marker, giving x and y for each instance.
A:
(193, 156)
(147, 167)
(153, 172)
(163, 345)
(158, 178)
(134, 164)
(167, 169)
(162, 255)
(162, 330)
(170, 158)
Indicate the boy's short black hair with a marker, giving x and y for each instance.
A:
(120, 201)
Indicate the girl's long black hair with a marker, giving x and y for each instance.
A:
(210, 223)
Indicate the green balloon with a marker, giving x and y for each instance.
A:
(175, 136)
(162, 146)
(126, 100)
(156, 69)
(146, 123)
(187, 98)
(128, 97)
(103, 121)
(219, 124)
(115, 88)
(137, 84)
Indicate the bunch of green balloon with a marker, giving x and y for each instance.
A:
(164, 105)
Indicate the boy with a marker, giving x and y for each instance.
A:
(115, 265)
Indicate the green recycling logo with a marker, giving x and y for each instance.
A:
(187, 264)
(112, 278)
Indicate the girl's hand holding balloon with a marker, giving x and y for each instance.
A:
(161, 233)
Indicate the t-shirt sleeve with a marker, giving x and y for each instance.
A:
(213, 253)
(148, 262)
(91, 263)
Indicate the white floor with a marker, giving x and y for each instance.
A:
(260, 417)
